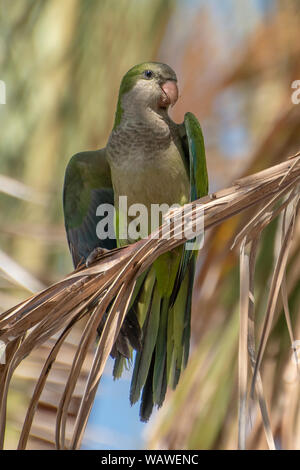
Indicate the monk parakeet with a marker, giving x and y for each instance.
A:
(151, 160)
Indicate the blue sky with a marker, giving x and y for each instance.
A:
(113, 423)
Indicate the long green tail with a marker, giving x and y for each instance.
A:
(165, 328)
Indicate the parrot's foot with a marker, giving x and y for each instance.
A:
(95, 255)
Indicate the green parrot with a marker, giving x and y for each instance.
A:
(151, 160)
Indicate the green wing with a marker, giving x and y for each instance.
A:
(193, 145)
(194, 152)
(195, 160)
(87, 185)
(179, 319)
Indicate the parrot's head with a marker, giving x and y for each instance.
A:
(148, 85)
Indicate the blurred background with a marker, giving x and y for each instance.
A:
(236, 61)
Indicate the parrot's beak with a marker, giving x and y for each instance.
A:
(170, 93)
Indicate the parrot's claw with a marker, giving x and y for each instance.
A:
(95, 255)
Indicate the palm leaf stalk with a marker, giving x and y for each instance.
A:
(108, 283)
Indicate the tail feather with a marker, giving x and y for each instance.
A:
(170, 355)
(119, 365)
(159, 372)
(187, 321)
(179, 313)
(147, 401)
(149, 336)
(130, 334)
(165, 338)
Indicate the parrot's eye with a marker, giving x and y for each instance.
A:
(148, 74)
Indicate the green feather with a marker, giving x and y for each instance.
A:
(143, 357)
(197, 157)
(179, 312)
(87, 185)
(187, 321)
(160, 364)
(119, 366)
(170, 347)
(194, 149)
(120, 361)
(145, 297)
(166, 267)
(85, 171)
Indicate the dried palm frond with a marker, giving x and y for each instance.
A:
(107, 285)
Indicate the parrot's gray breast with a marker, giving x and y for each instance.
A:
(146, 163)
